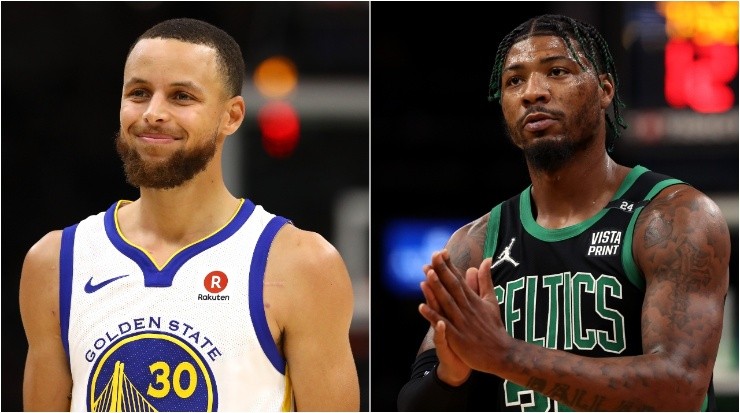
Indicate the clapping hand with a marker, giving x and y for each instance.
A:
(464, 312)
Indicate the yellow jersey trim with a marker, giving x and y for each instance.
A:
(151, 258)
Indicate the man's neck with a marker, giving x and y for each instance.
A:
(181, 215)
(576, 191)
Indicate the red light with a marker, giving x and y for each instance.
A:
(698, 76)
(280, 128)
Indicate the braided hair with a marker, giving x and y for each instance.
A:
(593, 45)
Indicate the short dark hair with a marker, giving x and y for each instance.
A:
(228, 53)
(592, 44)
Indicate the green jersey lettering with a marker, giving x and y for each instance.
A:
(552, 282)
(619, 342)
(512, 315)
(531, 308)
(582, 282)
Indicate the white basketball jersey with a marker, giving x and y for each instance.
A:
(188, 336)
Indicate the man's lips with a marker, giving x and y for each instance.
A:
(536, 122)
(157, 137)
(539, 125)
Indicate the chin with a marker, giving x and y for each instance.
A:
(157, 153)
(550, 153)
(544, 135)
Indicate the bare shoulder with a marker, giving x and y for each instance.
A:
(466, 244)
(45, 249)
(39, 287)
(308, 270)
(682, 228)
(306, 254)
(41, 265)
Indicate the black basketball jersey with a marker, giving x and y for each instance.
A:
(577, 288)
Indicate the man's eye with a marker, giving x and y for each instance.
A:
(558, 71)
(513, 81)
(182, 96)
(139, 93)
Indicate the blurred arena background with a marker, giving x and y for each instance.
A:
(303, 150)
(440, 157)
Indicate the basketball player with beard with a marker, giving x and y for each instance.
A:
(599, 287)
(187, 298)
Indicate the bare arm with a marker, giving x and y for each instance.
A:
(682, 246)
(47, 381)
(315, 313)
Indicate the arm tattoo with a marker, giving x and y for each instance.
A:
(684, 254)
(466, 250)
(681, 244)
(678, 257)
(460, 255)
(579, 398)
(657, 231)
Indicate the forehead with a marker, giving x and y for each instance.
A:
(153, 59)
(536, 48)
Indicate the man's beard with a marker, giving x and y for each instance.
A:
(549, 155)
(179, 168)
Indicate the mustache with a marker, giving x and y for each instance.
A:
(134, 130)
(538, 109)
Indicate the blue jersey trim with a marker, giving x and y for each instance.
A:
(66, 268)
(256, 291)
(154, 277)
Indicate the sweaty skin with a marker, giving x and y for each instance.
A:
(681, 244)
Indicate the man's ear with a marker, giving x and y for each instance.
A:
(606, 89)
(235, 112)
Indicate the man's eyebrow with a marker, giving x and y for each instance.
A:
(544, 60)
(184, 83)
(135, 81)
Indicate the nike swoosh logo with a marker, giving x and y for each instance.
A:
(90, 288)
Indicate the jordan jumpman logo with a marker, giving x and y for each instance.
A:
(505, 256)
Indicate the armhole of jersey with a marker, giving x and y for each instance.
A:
(256, 291)
(489, 247)
(288, 404)
(66, 267)
(628, 260)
